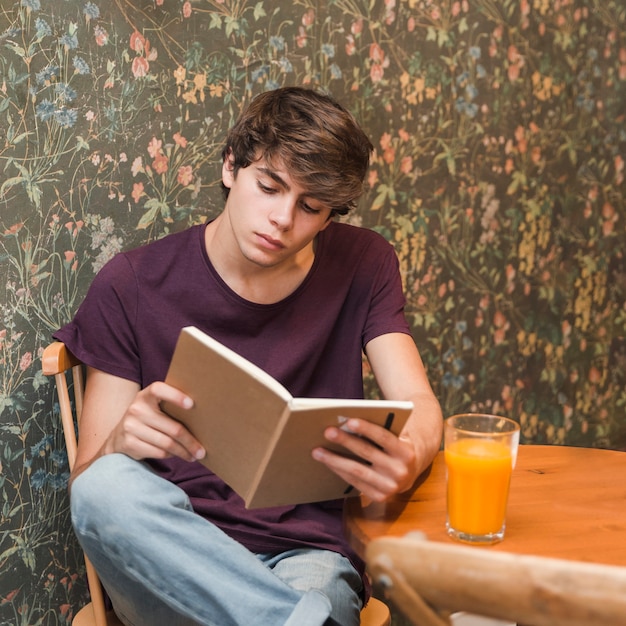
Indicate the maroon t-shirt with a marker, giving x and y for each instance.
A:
(311, 342)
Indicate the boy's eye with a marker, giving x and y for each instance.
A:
(265, 188)
(309, 209)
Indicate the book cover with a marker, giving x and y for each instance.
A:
(257, 436)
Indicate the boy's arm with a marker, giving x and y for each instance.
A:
(394, 463)
(119, 417)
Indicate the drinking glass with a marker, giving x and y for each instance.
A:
(480, 453)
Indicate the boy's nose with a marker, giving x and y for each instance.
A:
(283, 213)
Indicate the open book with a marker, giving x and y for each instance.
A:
(258, 437)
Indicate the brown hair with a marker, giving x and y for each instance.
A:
(318, 141)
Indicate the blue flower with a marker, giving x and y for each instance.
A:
(328, 50)
(59, 458)
(45, 443)
(454, 381)
(43, 29)
(285, 65)
(277, 42)
(80, 65)
(468, 108)
(449, 353)
(59, 481)
(70, 41)
(47, 74)
(10, 33)
(462, 77)
(66, 118)
(39, 479)
(45, 110)
(65, 91)
(91, 10)
(335, 71)
(33, 5)
(474, 52)
(259, 74)
(471, 92)
(461, 326)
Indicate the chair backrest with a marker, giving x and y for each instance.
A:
(428, 581)
(59, 362)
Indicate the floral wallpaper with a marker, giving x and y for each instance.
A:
(500, 137)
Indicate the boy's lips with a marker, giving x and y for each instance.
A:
(270, 242)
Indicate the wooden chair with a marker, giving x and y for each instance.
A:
(59, 362)
(429, 581)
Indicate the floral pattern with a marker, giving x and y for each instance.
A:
(498, 175)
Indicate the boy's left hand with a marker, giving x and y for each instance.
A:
(388, 465)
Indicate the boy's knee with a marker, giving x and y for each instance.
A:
(99, 492)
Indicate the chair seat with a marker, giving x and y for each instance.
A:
(375, 613)
(86, 617)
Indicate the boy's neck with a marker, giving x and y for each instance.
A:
(255, 283)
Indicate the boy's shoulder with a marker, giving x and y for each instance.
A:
(171, 241)
(342, 235)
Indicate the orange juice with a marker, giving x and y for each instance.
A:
(479, 473)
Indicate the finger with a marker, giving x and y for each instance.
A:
(359, 444)
(160, 436)
(161, 392)
(363, 477)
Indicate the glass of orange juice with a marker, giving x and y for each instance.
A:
(480, 453)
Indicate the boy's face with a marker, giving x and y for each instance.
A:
(271, 218)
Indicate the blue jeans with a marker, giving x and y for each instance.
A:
(162, 564)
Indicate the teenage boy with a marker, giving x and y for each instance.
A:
(278, 280)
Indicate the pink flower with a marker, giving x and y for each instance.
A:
(594, 375)
(179, 140)
(376, 72)
(160, 164)
(389, 155)
(185, 175)
(406, 165)
(102, 37)
(137, 42)
(187, 9)
(137, 166)
(357, 27)
(385, 141)
(377, 54)
(350, 46)
(69, 255)
(26, 361)
(308, 18)
(154, 147)
(301, 39)
(138, 192)
(140, 67)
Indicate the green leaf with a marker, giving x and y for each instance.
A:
(259, 11)
(10, 182)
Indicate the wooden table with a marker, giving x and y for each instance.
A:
(564, 502)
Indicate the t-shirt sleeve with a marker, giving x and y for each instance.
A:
(102, 333)
(387, 301)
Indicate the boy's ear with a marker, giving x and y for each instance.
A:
(228, 170)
